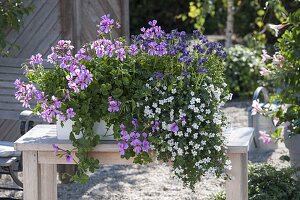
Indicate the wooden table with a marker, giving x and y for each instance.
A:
(40, 173)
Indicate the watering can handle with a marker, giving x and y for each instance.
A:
(265, 93)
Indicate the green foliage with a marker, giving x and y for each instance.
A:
(268, 183)
(242, 70)
(11, 13)
(285, 73)
(165, 12)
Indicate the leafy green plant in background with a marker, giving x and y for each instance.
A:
(11, 13)
(268, 183)
(242, 70)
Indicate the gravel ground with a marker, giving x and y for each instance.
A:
(151, 182)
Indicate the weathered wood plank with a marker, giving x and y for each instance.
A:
(125, 19)
(77, 25)
(116, 8)
(106, 158)
(6, 84)
(10, 99)
(48, 182)
(66, 19)
(41, 33)
(11, 77)
(237, 187)
(13, 35)
(9, 130)
(11, 107)
(33, 26)
(30, 175)
(9, 115)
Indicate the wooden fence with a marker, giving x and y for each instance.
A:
(52, 20)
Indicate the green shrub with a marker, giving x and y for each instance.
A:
(268, 183)
(242, 70)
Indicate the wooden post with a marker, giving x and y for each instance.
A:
(66, 19)
(48, 182)
(237, 187)
(76, 28)
(30, 175)
(229, 23)
(125, 19)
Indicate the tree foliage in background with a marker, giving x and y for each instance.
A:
(142, 11)
(11, 13)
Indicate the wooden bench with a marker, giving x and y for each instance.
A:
(39, 161)
(14, 121)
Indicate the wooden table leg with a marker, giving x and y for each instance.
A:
(30, 176)
(48, 182)
(237, 187)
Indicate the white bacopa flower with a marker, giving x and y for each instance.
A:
(180, 152)
(198, 100)
(207, 111)
(164, 87)
(158, 110)
(195, 126)
(186, 134)
(202, 105)
(191, 143)
(196, 110)
(207, 121)
(164, 125)
(194, 153)
(203, 142)
(183, 123)
(189, 130)
(179, 133)
(186, 148)
(148, 86)
(174, 91)
(196, 146)
(154, 105)
(195, 136)
(218, 148)
(192, 93)
(161, 102)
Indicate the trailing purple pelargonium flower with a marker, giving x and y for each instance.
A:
(174, 127)
(36, 59)
(113, 105)
(133, 50)
(106, 24)
(69, 157)
(134, 141)
(155, 126)
(25, 92)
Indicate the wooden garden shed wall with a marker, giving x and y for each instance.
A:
(51, 21)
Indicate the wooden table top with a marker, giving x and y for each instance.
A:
(41, 138)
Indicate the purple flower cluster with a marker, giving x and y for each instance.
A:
(26, 92)
(113, 105)
(36, 59)
(79, 77)
(104, 47)
(106, 25)
(52, 111)
(135, 141)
